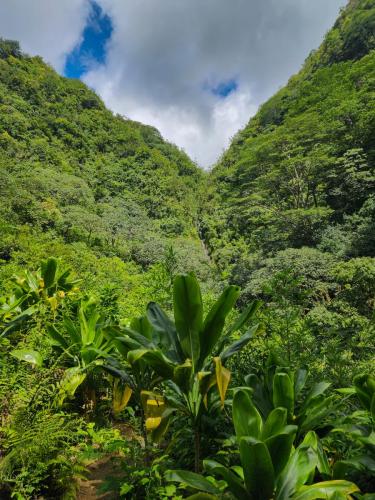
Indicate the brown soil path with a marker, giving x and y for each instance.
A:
(99, 471)
(102, 469)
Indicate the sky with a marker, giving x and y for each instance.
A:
(195, 69)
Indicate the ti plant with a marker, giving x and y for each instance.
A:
(84, 344)
(47, 286)
(189, 353)
(271, 468)
(360, 428)
(280, 386)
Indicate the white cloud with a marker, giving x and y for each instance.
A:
(163, 52)
(50, 28)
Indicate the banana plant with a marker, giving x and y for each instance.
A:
(85, 343)
(48, 286)
(190, 352)
(360, 427)
(271, 468)
(280, 386)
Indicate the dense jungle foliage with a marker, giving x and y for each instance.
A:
(166, 333)
(291, 206)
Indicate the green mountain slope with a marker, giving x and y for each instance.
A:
(293, 198)
(303, 168)
(105, 193)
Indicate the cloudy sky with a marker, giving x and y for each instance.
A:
(195, 69)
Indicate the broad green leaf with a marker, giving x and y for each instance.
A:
(283, 392)
(299, 468)
(235, 483)
(311, 439)
(49, 269)
(166, 329)
(223, 376)
(188, 315)
(32, 282)
(28, 355)
(139, 338)
(215, 320)
(258, 469)
(326, 489)
(316, 390)
(299, 381)
(56, 338)
(182, 374)
(239, 344)
(196, 481)
(280, 447)
(155, 359)
(142, 326)
(315, 415)
(72, 330)
(275, 422)
(246, 418)
(248, 313)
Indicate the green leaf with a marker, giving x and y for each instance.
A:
(239, 344)
(316, 390)
(248, 313)
(188, 315)
(56, 338)
(182, 374)
(258, 469)
(28, 355)
(246, 418)
(196, 481)
(215, 320)
(311, 439)
(280, 447)
(299, 381)
(235, 484)
(299, 468)
(142, 326)
(275, 422)
(165, 328)
(142, 340)
(49, 269)
(283, 392)
(326, 489)
(315, 415)
(155, 359)
(72, 330)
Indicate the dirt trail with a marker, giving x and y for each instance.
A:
(99, 471)
(102, 469)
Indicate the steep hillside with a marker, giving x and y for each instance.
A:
(84, 184)
(302, 170)
(294, 196)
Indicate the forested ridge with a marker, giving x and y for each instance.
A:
(183, 334)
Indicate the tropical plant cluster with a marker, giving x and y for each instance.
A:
(185, 334)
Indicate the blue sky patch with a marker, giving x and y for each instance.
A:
(92, 49)
(224, 89)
